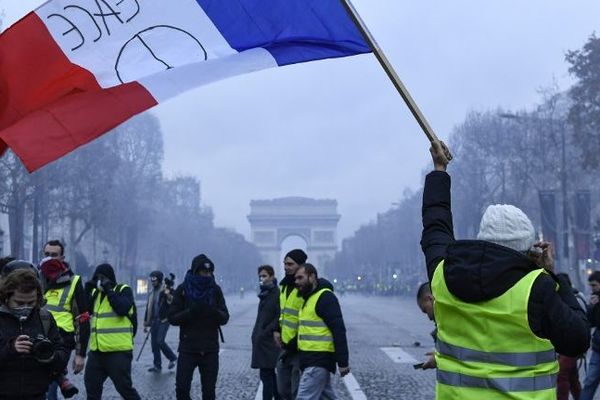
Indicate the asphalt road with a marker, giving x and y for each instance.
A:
(382, 333)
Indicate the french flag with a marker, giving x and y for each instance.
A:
(72, 70)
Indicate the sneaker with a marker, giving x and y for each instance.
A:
(172, 363)
(154, 369)
(67, 389)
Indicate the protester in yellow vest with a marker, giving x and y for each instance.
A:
(322, 340)
(290, 302)
(114, 323)
(66, 301)
(501, 312)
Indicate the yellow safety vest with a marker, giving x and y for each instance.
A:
(59, 301)
(288, 317)
(110, 332)
(313, 334)
(486, 350)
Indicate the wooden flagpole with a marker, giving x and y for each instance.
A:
(389, 69)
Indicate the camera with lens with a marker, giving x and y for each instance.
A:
(170, 281)
(42, 349)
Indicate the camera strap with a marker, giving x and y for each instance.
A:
(45, 318)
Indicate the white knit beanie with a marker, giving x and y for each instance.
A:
(508, 226)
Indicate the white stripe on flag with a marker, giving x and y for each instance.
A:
(138, 41)
(167, 84)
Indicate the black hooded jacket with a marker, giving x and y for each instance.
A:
(120, 301)
(477, 270)
(198, 322)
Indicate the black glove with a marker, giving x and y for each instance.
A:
(106, 284)
(89, 287)
(199, 309)
(283, 356)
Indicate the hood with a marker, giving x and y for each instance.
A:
(476, 270)
(4, 309)
(322, 283)
(106, 270)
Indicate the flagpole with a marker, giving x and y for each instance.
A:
(389, 69)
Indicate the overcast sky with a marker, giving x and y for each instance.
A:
(337, 128)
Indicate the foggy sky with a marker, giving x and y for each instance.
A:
(337, 128)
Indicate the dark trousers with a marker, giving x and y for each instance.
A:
(116, 366)
(158, 332)
(269, 382)
(568, 378)
(208, 366)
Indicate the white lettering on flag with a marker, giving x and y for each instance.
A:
(123, 41)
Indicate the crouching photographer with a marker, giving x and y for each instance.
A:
(31, 349)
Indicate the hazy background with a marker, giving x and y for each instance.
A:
(337, 129)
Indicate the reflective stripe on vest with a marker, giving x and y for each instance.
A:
(58, 302)
(525, 384)
(313, 333)
(110, 332)
(486, 350)
(288, 318)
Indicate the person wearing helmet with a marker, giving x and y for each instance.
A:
(155, 321)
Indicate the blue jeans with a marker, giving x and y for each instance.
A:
(52, 391)
(158, 332)
(592, 379)
(315, 384)
(288, 376)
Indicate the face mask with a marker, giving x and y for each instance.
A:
(21, 312)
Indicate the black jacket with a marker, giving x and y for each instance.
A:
(328, 309)
(264, 349)
(198, 324)
(79, 306)
(594, 316)
(479, 270)
(21, 376)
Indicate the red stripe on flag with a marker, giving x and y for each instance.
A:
(50, 106)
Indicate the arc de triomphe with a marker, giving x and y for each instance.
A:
(315, 221)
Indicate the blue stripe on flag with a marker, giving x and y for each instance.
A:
(293, 31)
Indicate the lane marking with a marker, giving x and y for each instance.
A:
(398, 355)
(353, 387)
(259, 392)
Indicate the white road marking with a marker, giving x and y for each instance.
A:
(259, 392)
(398, 355)
(353, 387)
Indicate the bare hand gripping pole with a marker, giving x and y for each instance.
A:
(389, 70)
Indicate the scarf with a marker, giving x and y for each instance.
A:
(265, 289)
(199, 289)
